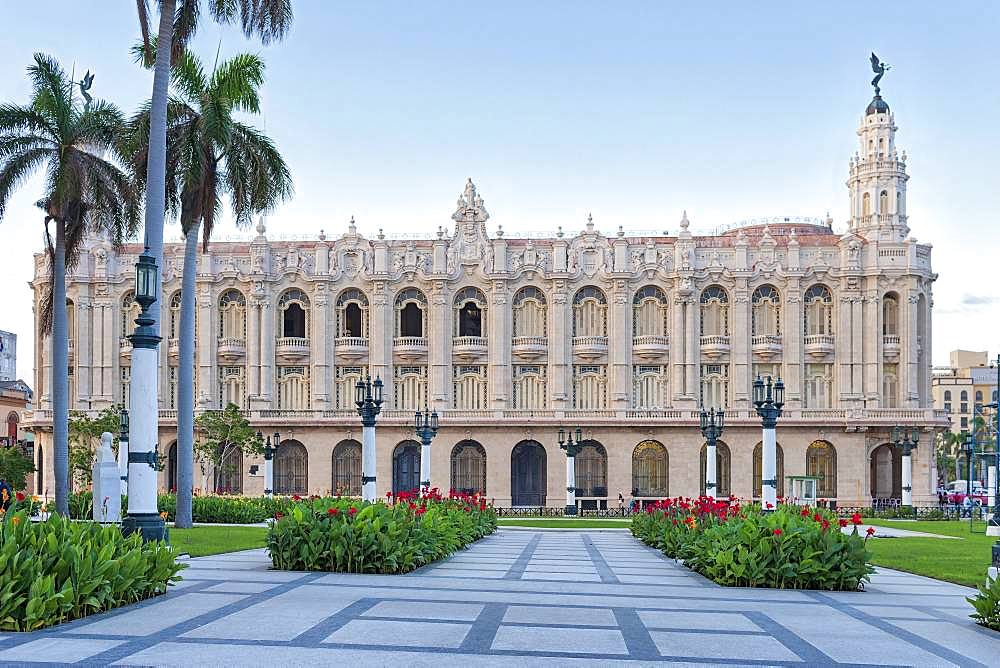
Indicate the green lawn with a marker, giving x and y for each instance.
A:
(963, 561)
(204, 540)
(567, 523)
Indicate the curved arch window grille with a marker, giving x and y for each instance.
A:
(590, 312)
(529, 312)
(890, 314)
(468, 468)
(352, 313)
(347, 468)
(650, 465)
(779, 467)
(723, 470)
(410, 306)
(821, 461)
(714, 311)
(591, 470)
(590, 387)
(649, 312)
(529, 386)
(130, 310)
(291, 469)
(175, 314)
(818, 310)
(470, 305)
(233, 315)
(766, 311)
(229, 474)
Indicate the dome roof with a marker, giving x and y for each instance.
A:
(877, 106)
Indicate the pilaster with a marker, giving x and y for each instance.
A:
(620, 342)
(740, 338)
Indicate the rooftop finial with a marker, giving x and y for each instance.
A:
(322, 235)
(685, 224)
(261, 228)
(879, 68)
(590, 222)
(351, 227)
(499, 231)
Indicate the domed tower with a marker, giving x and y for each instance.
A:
(877, 173)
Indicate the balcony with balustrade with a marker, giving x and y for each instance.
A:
(715, 346)
(529, 347)
(469, 348)
(650, 346)
(890, 347)
(410, 348)
(766, 346)
(590, 347)
(351, 347)
(292, 348)
(232, 349)
(819, 346)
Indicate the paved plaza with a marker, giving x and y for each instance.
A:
(517, 598)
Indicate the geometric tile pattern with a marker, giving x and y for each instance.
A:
(519, 597)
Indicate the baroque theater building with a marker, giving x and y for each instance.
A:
(624, 336)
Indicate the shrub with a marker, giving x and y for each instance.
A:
(58, 570)
(14, 468)
(987, 604)
(793, 547)
(356, 537)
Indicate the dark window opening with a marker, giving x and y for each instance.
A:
(352, 320)
(411, 321)
(294, 323)
(470, 320)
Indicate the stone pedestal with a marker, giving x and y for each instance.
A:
(107, 484)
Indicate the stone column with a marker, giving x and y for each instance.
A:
(872, 346)
(499, 332)
(620, 346)
(740, 338)
(791, 339)
(253, 350)
(268, 334)
(207, 344)
(560, 347)
(320, 341)
(84, 351)
(439, 328)
(908, 350)
(678, 351)
(693, 352)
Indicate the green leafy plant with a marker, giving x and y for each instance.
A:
(14, 468)
(58, 570)
(987, 604)
(793, 547)
(349, 536)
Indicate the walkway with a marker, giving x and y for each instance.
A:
(575, 598)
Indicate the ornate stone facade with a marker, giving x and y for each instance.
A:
(508, 339)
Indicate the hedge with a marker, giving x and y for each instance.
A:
(790, 547)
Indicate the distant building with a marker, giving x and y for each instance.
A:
(964, 387)
(8, 356)
(15, 401)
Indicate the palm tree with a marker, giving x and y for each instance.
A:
(210, 157)
(84, 191)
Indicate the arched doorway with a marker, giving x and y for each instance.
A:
(650, 465)
(347, 468)
(12, 420)
(406, 467)
(527, 474)
(821, 461)
(172, 468)
(723, 470)
(886, 479)
(229, 473)
(592, 470)
(291, 468)
(779, 469)
(468, 468)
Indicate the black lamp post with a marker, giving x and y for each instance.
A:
(712, 423)
(768, 398)
(970, 453)
(906, 439)
(572, 448)
(269, 451)
(425, 424)
(368, 399)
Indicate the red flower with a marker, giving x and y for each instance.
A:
(856, 519)
(412, 505)
(421, 510)
(278, 515)
(19, 496)
(296, 497)
(332, 511)
(818, 517)
(842, 523)
(805, 512)
(871, 531)
(826, 525)
(770, 506)
(352, 511)
(777, 532)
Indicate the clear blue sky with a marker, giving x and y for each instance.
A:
(631, 110)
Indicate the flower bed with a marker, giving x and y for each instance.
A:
(348, 536)
(58, 570)
(792, 547)
(205, 509)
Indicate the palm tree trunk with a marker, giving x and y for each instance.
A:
(60, 380)
(185, 383)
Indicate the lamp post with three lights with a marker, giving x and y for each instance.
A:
(906, 440)
(572, 449)
(368, 399)
(426, 426)
(768, 398)
(712, 423)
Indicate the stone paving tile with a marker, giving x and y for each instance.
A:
(537, 614)
(399, 633)
(425, 610)
(57, 650)
(708, 646)
(697, 620)
(147, 619)
(241, 587)
(547, 639)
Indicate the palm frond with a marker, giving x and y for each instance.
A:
(188, 77)
(16, 168)
(15, 119)
(268, 19)
(237, 81)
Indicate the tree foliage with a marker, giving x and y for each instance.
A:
(14, 468)
(223, 434)
(85, 437)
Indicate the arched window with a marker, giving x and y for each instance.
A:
(528, 474)
(766, 316)
(979, 396)
(410, 305)
(529, 386)
(886, 472)
(890, 386)
(714, 311)
(233, 315)
(590, 308)
(470, 307)
(650, 464)
(890, 314)
(529, 312)
(130, 310)
(71, 320)
(175, 314)
(12, 420)
(406, 467)
(649, 312)
(468, 468)
(293, 388)
(347, 469)
(229, 473)
(294, 309)
(866, 204)
(821, 461)
(883, 201)
(291, 468)
(591, 470)
(779, 467)
(352, 314)
(172, 467)
(723, 470)
(818, 310)
(947, 395)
